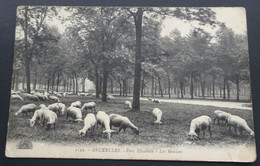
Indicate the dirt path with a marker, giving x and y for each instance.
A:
(222, 104)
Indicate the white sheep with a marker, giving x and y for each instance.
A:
(199, 123)
(150, 99)
(49, 117)
(26, 108)
(13, 92)
(54, 98)
(16, 97)
(104, 120)
(221, 115)
(38, 114)
(58, 108)
(76, 104)
(31, 97)
(59, 95)
(239, 124)
(89, 105)
(128, 104)
(65, 94)
(156, 101)
(74, 113)
(157, 113)
(40, 96)
(123, 123)
(46, 94)
(89, 124)
(110, 97)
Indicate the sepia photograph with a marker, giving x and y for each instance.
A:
(135, 83)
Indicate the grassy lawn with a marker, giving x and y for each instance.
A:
(176, 121)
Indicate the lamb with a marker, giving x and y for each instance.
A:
(49, 117)
(74, 113)
(40, 96)
(104, 120)
(221, 115)
(38, 114)
(199, 123)
(128, 104)
(26, 108)
(157, 113)
(89, 123)
(89, 105)
(31, 97)
(156, 101)
(59, 95)
(58, 108)
(54, 98)
(13, 92)
(76, 104)
(239, 124)
(16, 97)
(122, 122)
(110, 97)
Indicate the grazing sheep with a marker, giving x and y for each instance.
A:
(149, 99)
(90, 105)
(197, 124)
(110, 97)
(157, 113)
(122, 122)
(25, 109)
(239, 124)
(58, 108)
(46, 94)
(38, 114)
(54, 98)
(104, 120)
(13, 92)
(128, 104)
(49, 117)
(59, 95)
(70, 93)
(16, 97)
(76, 104)
(31, 97)
(221, 115)
(82, 94)
(40, 96)
(74, 113)
(156, 101)
(65, 94)
(89, 124)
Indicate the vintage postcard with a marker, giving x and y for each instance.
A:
(135, 83)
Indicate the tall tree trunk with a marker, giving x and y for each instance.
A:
(169, 86)
(52, 82)
(97, 81)
(137, 78)
(76, 83)
(213, 87)
(160, 87)
(17, 83)
(57, 82)
(142, 86)
(152, 90)
(73, 84)
(112, 86)
(191, 86)
(83, 84)
(48, 85)
(181, 88)
(237, 84)
(104, 91)
(120, 87)
(35, 79)
(224, 88)
(228, 90)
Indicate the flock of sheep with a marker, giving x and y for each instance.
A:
(48, 115)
